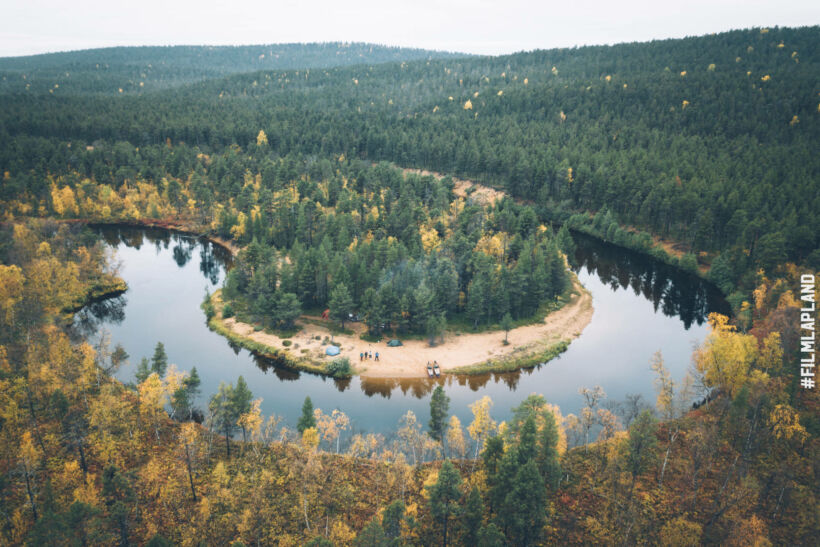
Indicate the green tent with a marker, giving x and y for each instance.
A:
(393, 343)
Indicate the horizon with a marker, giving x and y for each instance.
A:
(394, 46)
(474, 28)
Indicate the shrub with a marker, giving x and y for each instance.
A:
(208, 308)
(689, 263)
(340, 368)
(227, 311)
(286, 343)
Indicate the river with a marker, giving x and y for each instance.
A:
(641, 306)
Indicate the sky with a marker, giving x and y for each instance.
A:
(471, 26)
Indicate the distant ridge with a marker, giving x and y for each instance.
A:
(158, 67)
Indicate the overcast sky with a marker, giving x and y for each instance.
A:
(474, 26)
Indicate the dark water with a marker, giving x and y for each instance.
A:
(641, 306)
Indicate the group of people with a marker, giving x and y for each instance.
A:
(365, 355)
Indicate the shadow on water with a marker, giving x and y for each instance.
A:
(673, 292)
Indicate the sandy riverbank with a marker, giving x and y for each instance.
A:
(457, 351)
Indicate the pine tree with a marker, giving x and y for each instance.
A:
(444, 497)
(439, 406)
(340, 303)
(547, 458)
(371, 535)
(507, 325)
(392, 519)
(526, 441)
(491, 536)
(240, 402)
(307, 420)
(565, 241)
(159, 362)
(526, 506)
(222, 414)
(472, 518)
(143, 371)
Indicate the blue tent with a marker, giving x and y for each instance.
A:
(332, 350)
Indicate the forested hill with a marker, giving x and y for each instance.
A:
(710, 140)
(139, 69)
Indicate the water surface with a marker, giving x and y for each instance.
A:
(641, 306)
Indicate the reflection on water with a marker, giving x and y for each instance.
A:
(674, 292)
(640, 306)
(89, 319)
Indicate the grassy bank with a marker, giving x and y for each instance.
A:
(513, 362)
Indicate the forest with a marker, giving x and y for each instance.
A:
(400, 252)
(299, 157)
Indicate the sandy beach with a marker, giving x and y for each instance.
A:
(458, 349)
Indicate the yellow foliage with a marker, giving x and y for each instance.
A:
(468, 105)
(608, 78)
(684, 104)
(429, 481)
(683, 73)
(455, 438)
(341, 534)
(483, 425)
(711, 67)
(680, 532)
(252, 420)
(261, 139)
(430, 239)
(11, 292)
(785, 424)
(766, 78)
(310, 438)
(88, 492)
(795, 120)
(29, 455)
(64, 201)
(153, 394)
(238, 230)
(725, 356)
(491, 245)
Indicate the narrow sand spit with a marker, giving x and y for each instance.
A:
(458, 350)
